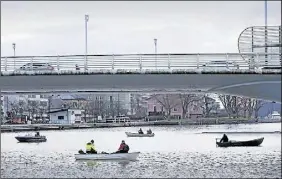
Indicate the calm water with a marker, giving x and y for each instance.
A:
(174, 152)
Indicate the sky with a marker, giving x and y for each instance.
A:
(58, 28)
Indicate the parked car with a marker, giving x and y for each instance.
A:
(217, 65)
(36, 67)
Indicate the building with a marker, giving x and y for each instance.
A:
(172, 102)
(35, 106)
(65, 116)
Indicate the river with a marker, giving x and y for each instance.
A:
(174, 152)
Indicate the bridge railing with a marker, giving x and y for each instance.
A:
(219, 61)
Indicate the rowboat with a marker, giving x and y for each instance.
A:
(112, 156)
(129, 134)
(231, 143)
(31, 138)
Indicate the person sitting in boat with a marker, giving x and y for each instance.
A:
(140, 131)
(149, 131)
(224, 138)
(37, 134)
(123, 148)
(90, 148)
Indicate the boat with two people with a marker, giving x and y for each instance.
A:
(140, 134)
(225, 142)
(29, 138)
(121, 154)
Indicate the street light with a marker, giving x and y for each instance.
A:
(86, 21)
(155, 42)
(14, 48)
(265, 12)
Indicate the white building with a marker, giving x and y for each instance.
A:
(65, 116)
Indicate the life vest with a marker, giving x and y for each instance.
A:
(90, 146)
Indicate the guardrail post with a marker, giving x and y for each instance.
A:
(5, 64)
(198, 61)
(58, 62)
(227, 60)
(85, 63)
(169, 61)
(257, 63)
(31, 62)
(113, 62)
(140, 62)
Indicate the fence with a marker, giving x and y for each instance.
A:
(218, 61)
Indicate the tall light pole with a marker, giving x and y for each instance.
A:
(14, 48)
(86, 22)
(156, 43)
(265, 33)
(265, 12)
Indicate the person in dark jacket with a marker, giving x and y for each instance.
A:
(123, 148)
(224, 138)
(140, 131)
(149, 131)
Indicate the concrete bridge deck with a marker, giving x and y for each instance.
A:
(216, 73)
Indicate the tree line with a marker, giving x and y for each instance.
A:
(234, 106)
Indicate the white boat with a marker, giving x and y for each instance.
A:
(113, 156)
(129, 134)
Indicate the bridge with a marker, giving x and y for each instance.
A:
(217, 73)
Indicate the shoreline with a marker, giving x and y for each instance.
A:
(47, 127)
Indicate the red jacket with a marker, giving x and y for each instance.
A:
(121, 146)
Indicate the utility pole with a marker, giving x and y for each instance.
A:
(86, 60)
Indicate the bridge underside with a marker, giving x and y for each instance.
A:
(267, 86)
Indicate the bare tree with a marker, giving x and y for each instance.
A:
(32, 107)
(208, 105)
(14, 108)
(186, 100)
(136, 106)
(232, 105)
(168, 101)
(258, 104)
(244, 105)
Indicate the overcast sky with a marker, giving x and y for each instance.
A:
(57, 28)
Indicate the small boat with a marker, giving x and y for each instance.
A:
(106, 156)
(129, 134)
(255, 142)
(32, 138)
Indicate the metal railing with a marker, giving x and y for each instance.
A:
(74, 63)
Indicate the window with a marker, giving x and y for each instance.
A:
(61, 117)
(155, 109)
(174, 109)
(162, 108)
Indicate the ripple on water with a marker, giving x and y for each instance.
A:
(196, 156)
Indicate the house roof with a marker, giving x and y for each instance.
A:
(62, 110)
